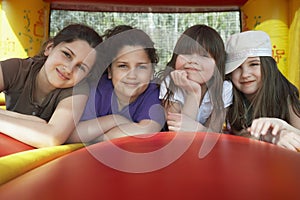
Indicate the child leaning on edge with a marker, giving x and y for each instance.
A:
(125, 100)
(194, 92)
(266, 105)
(41, 92)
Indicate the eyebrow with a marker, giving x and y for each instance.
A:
(254, 59)
(125, 62)
(73, 54)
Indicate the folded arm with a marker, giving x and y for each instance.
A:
(37, 132)
(89, 130)
(132, 129)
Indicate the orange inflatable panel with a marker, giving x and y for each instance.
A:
(165, 166)
(9, 145)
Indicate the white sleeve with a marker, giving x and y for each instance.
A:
(227, 93)
(178, 94)
(162, 90)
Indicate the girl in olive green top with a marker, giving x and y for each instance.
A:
(39, 93)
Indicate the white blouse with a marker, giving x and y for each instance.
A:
(206, 107)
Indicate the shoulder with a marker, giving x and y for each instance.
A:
(16, 63)
(294, 117)
(152, 91)
(81, 88)
(104, 85)
(16, 71)
(227, 86)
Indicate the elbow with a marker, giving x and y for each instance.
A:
(50, 142)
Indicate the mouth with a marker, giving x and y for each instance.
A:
(191, 68)
(129, 84)
(247, 82)
(61, 75)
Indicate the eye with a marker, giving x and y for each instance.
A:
(142, 67)
(66, 54)
(254, 64)
(122, 66)
(82, 68)
(205, 54)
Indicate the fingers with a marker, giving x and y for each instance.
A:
(276, 129)
(174, 121)
(179, 77)
(259, 127)
(262, 126)
(289, 140)
(288, 145)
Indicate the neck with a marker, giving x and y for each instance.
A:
(41, 88)
(123, 101)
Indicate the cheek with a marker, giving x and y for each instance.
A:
(235, 78)
(258, 76)
(179, 62)
(145, 77)
(210, 71)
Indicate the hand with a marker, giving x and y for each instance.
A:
(277, 131)
(180, 122)
(180, 78)
(264, 125)
(288, 140)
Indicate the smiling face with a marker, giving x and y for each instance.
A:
(131, 73)
(199, 68)
(247, 77)
(68, 63)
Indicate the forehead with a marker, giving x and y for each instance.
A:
(256, 58)
(79, 48)
(130, 49)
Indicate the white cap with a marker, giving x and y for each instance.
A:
(246, 44)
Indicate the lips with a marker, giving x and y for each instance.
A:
(247, 84)
(131, 84)
(61, 75)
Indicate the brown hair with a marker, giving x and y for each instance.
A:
(200, 39)
(271, 100)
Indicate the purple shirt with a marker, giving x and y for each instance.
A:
(103, 101)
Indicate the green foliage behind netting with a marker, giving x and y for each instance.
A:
(164, 28)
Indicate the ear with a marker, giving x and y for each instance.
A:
(48, 48)
(109, 72)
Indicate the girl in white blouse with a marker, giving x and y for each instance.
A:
(193, 90)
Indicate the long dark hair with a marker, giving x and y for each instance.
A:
(72, 33)
(199, 39)
(271, 100)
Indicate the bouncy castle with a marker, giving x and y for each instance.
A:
(165, 165)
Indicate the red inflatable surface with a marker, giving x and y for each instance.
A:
(9, 145)
(165, 166)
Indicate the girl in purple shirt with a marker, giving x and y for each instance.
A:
(126, 99)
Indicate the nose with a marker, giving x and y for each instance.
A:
(69, 68)
(191, 59)
(132, 73)
(245, 72)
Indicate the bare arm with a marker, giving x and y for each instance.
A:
(39, 133)
(192, 93)
(129, 129)
(87, 131)
(21, 116)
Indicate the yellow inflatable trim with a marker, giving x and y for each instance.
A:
(17, 164)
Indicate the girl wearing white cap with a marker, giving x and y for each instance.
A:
(266, 105)
(193, 91)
